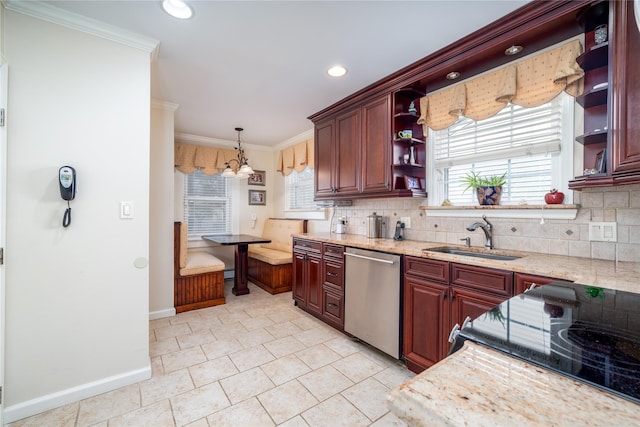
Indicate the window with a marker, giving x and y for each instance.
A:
(524, 143)
(299, 191)
(207, 204)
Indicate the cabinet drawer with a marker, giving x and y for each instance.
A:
(333, 308)
(307, 245)
(523, 281)
(333, 251)
(497, 282)
(427, 268)
(334, 273)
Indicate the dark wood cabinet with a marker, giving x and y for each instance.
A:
(318, 280)
(353, 152)
(307, 275)
(333, 285)
(523, 281)
(425, 322)
(611, 97)
(438, 295)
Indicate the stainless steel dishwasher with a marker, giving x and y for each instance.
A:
(372, 298)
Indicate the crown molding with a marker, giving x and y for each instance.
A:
(164, 105)
(78, 22)
(308, 134)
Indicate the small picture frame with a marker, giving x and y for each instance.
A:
(257, 178)
(257, 197)
(601, 162)
(413, 183)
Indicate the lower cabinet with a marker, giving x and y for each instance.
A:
(523, 281)
(307, 275)
(439, 294)
(318, 280)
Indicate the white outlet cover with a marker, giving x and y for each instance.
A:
(603, 231)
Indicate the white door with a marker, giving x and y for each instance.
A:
(3, 222)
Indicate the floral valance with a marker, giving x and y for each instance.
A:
(528, 83)
(296, 157)
(209, 160)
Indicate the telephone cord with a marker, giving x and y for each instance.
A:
(66, 220)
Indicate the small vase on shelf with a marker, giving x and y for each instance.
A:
(412, 155)
(412, 108)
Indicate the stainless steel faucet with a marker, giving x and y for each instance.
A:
(488, 231)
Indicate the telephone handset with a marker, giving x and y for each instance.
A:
(67, 181)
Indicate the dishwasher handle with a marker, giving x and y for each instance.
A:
(384, 261)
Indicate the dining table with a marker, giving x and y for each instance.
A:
(241, 242)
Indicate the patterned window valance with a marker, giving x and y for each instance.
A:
(296, 157)
(527, 83)
(188, 158)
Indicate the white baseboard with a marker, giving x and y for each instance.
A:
(160, 314)
(60, 398)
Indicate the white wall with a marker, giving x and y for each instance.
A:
(76, 306)
(161, 208)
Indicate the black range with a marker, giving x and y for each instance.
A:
(588, 333)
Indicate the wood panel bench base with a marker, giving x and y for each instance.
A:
(274, 279)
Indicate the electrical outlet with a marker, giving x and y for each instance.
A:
(406, 220)
(603, 231)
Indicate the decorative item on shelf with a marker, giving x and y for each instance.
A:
(601, 162)
(554, 197)
(244, 169)
(405, 158)
(412, 108)
(600, 34)
(405, 134)
(488, 189)
(412, 155)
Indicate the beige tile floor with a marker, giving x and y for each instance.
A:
(255, 361)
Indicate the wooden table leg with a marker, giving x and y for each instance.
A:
(242, 265)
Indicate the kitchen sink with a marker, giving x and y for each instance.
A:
(477, 253)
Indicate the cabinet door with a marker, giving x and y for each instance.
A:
(469, 303)
(426, 318)
(522, 282)
(376, 146)
(333, 308)
(314, 283)
(626, 99)
(347, 156)
(299, 288)
(324, 148)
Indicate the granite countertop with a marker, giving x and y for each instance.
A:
(623, 276)
(482, 387)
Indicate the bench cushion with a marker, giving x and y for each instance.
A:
(198, 262)
(279, 231)
(270, 256)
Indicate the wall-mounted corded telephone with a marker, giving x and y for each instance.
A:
(67, 181)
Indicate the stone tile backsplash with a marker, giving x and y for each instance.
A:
(560, 237)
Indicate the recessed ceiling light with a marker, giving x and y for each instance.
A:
(177, 9)
(337, 71)
(513, 50)
(453, 75)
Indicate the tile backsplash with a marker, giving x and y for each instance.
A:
(561, 237)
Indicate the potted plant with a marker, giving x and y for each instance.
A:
(488, 188)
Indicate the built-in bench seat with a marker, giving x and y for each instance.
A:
(270, 264)
(198, 275)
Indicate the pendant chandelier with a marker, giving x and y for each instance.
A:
(244, 169)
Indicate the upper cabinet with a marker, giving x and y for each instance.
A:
(352, 152)
(370, 145)
(611, 138)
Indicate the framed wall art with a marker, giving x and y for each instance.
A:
(257, 197)
(258, 178)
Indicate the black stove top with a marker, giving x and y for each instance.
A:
(588, 333)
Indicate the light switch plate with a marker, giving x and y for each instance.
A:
(603, 231)
(126, 210)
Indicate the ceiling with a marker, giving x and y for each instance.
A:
(261, 65)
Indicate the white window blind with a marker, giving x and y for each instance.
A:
(299, 191)
(522, 142)
(207, 204)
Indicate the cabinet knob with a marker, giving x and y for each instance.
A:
(332, 304)
(444, 294)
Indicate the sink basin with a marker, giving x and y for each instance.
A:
(479, 253)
